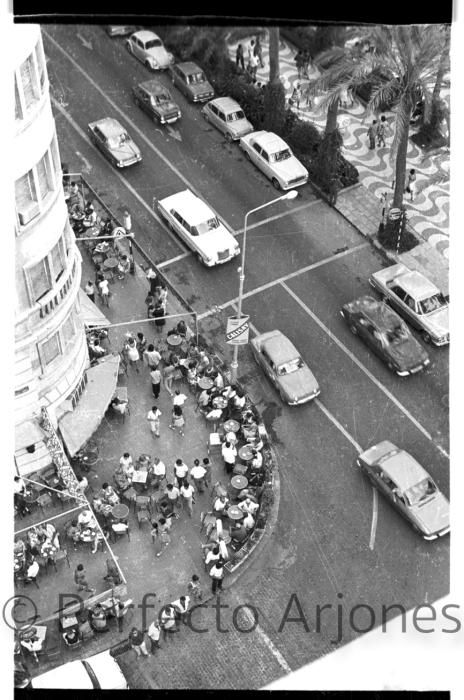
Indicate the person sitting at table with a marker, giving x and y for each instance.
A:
(19, 486)
(20, 549)
(219, 381)
(248, 506)
(97, 619)
(112, 573)
(203, 362)
(204, 398)
(31, 642)
(90, 215)
(73, 533)
(71, 636)
(75, 196)
(212, 556)
(238, 533)
(127, 463)
(220, 505)
(33, 540)
(248, 522)
(95, 350)
(48, 552)
(119, 405)
(121, 479)
(257, 461)
(84, 518)
(32, 570)
(123, 267)
(231, 438)
(108, 494)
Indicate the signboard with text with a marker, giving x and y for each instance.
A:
(237, 330)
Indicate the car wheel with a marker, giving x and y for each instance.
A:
(228, 138)
(276, 183)
(200, 259)
(390, 367)
(137, 102)
(147, 65)
(353, 329)
(129, 47)
(247, 156)
(426, 337)
(205, 116)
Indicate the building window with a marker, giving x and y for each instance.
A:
(30, 83)
(58, 260)
(39, 280)
(50, 350)
(44, 176)
(18, 108)
(26, 198)
(40, 58)
(68, 331)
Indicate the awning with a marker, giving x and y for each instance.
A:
(77, 426)
(90, 313)
(27, 433)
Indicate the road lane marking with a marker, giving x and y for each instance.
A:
(173, 260)
(295, 273)
(268, 220)
(338, 425)
(359, 364)
(267, 641)
(375, 513)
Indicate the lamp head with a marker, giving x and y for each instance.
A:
(290, 195)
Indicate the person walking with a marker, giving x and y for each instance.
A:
(80, 578)
(137, 642)
(159, 472)
(372, 132)
(181, 607)
(153, 417)
(177, 420)
(180, 471)
(239, 59)
(258, 51)
(229, 455)
(104, 290)
(90, 291)
(168, 377)
(119, 612)
(217, 575)
(198, 473)
(158, 315)
(411, 184)
(168, 621)
(382, 131)
(299, 63)
(154, 633)
(173, 495)
(208, 466)
(151, 357)
(187, 495)
(141, 343)
(178, 398)
(132, 353)
(253, 63)
(296, 96)
(194, 588)
(155, 376)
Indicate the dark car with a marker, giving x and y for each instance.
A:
(156, 101)
(191, 81)
(114, 142)
(386, 335)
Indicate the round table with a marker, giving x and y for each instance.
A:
(240, 468)
(231, 426)
(235, 513)
(31, 496)
(120, 511)
(219, 402)
(205, 383)
(239, 482)
(110, 263)
(174, 339)
(246, 453)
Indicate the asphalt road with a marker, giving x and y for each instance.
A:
(303, 262)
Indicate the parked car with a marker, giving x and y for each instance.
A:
(119, 29)
(191, 81)
(156, 101)
(98, 672)
(408, 487)
(227, 116)
(199, 226)
(114, 142)
(285, 367)
(275, 159)
(386, 335)
(417, 299)
(149, 49)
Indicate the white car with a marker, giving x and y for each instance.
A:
(99, 672)
(274, 157)
(149, 49)
(199, 226)
(227, 116)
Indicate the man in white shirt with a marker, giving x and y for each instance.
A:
(19, 485)
(180, 471)
(229, 454)
(85, 518)
(159, 472)
(154, 632)
(181, 607)
(151, 357)
(127, 465)
(168, 620)
(248, 506)
(153, 417)
(186, 492)
(257, 461)
(249, 521)
(212, 556)
(203, 399)
(179, 399)
(220, 504)
(104, 289)
(198, 473)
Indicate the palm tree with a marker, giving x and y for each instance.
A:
(274, 44)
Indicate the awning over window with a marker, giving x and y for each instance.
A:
(77, 426)
(27, 433)
(90, 313)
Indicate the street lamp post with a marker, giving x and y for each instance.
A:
(241, 271)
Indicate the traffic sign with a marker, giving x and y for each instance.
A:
(394, 213)
(237, 330)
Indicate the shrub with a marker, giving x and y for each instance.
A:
(266, 503)
(388, 236)
(301, 136)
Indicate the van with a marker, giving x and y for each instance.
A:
(99, 672)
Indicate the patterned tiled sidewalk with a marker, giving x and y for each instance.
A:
(429, 213)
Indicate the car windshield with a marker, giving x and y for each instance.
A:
(160, 99)
(281, 155)
(153, 44)
(289, 367)
(420, 492)
(432, 303)
(196, 77)
(206, 226)
(397, 335)
(119, 140)
(235, 116)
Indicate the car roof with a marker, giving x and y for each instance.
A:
(376, 311)
(403, 469)
(279, 348)
(153, 87)
(189, 67)
(109, 126)
(227, 104)
(145, 35)
(195, 209)
(417, 285)
(270, 141)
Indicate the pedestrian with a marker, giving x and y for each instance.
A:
(229, 454)
(132, 353)
(155, 376)
(162, 296)
(217, 575)
(198, 473)
(160, 534)
(90, 291)
(178, 399)
(153, 280)
(344, 98)
(239, 60)
(194, 588)
(141, 343)
(252, 67)
(411, 183)
(158, 315)
(177, 420)
(181, 607)
(192, 376)
(127, 464)
(153, 417)
(168, 621)
(137, 642)
(296, 96)
(207, 465)
(168, 377)
(372, 132)
(159, 472)
(127, 221)
(112, 573)
(154, 632)
(180, 471)
(187, 494)
(382, 128)
(80, 578)
(151, 357)
(173, 495)
(299, 62)
(104, 290)
(212, 556)
(258, 51)
(119, 612)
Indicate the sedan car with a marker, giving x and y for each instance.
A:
(114, 142)
(119, 29)
(98, 672)
(191, 81)
(156, 101)
(199, 226)
(285, 367)
(149, 49)
(408, 487)
(417, 299)
(227, 116)
(275, 159)
(386, 335)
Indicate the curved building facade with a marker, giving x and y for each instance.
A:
(50, 346)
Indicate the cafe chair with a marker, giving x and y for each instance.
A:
(44, 501)
(74, 646)
(86, 633)
(143, 514)
(155, 500)
(128, 495)
(61, 555)
(218, 489)
(208, 522)
(214, 443)
(116, 535)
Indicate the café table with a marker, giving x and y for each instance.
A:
(235, 513)
(219, 402)
(67, 621)
(120, 511)
(205, 383)
(41, 632)
(231, 426)
(240, 468)
(139, 477)
(239, 482)
(174, 339)
(31, 495)
(110, 263)
(246, 453)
